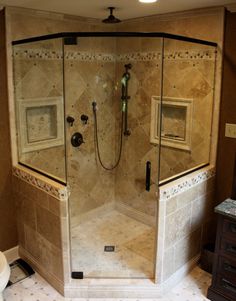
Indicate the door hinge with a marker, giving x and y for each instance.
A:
(77, 275)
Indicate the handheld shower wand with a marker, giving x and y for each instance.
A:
(124, 119)
(94, 107)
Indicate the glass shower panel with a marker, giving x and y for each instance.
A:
(39, 104)
(187, 106)
(109, 85)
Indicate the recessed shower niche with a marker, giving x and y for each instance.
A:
(40, 123)
(176, 122)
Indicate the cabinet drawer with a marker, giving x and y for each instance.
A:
(229, 227)
(226, 286)
(228, 246)
(227, 267)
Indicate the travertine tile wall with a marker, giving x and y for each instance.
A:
(137, 150)
(206, 24)
(186, 217)
(25, 23)
(181, 64)
(39, 217)
(39, 77)
(90, 79)
(191, 77)
(189, 72)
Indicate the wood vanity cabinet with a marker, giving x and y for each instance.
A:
(223, 286)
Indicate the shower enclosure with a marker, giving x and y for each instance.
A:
(113, 116)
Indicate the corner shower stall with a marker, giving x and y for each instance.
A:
(113, 116)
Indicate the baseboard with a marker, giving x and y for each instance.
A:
(178, 276)
(52, 279)
(113, 288)
(12, 254)
(135, 214)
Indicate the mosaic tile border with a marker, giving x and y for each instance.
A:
(193, 180)
(85, 56)
(59, 193)
(38, 54)
(165, 193)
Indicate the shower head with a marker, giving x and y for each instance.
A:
(111, 19)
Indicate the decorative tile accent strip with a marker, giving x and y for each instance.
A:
(60, 193)
(176, 55)
(191, 55)
(39, 54)
(192, 181)
(139, 56)
(89, 57)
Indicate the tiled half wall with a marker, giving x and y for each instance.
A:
(41, 209)
(185, 217)
(185, 212)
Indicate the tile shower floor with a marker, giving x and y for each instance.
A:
(133, 241)
(35, 288)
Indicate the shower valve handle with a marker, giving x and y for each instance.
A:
(70, 120)
(77, 139)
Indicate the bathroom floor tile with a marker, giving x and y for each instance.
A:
(35, 288)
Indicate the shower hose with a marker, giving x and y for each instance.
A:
(94, 104)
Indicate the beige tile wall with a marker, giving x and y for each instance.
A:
(186, 217)
(193, 79)
(37, 79)
(39, 218)
(87, 81)
(206, 24)
(25, 23)
(137, 149)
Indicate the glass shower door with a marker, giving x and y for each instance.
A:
(112, 159)
(187, 107)
(39, 105)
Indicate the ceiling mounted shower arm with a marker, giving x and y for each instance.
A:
(111, 19)
(111, 9)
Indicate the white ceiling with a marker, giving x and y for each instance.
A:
(126, 9)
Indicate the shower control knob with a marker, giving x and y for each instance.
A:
(77, 139)
(70, 120)
(84, 118)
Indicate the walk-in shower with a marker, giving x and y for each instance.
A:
(113, 116)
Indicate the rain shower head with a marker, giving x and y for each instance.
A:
(111, 19)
